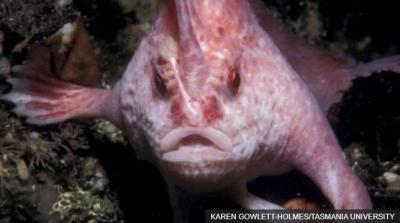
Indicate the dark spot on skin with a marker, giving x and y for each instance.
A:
(161, 61)
(130, 91)
(160, 85)
(220, 31)
(234, 81)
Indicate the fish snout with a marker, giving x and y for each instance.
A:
(202, 110)
(211, 109)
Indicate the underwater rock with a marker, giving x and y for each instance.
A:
(392, 181)
(22, 168)
(363, 165)
(5, 66)
(32, 17)
(73, 55)
(79, 205)
(106, 128)
(395, 169)
(62, 4)
(301, 204)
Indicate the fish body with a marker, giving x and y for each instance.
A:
(200, 100)
(220, 105)
(214, 100)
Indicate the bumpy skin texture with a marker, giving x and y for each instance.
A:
(214, 101)
(270, 122)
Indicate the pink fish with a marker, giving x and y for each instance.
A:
(215, 97)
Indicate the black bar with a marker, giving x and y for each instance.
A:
(289, 216)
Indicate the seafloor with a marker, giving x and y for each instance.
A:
(87, 172)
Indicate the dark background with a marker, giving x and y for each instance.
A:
(368, 113)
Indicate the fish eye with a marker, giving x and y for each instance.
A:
(234, 81)
(160, 84)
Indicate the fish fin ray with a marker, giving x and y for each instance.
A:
(391, 63)
(340, 80)
(44, 99)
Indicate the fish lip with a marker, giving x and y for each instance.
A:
(170, 141)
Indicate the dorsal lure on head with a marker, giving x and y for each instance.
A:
(219, 101)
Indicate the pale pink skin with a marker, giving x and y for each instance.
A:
(273, 123)
(202, 132)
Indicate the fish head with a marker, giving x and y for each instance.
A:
(192, 91)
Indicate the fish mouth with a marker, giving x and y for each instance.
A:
(196, 144)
